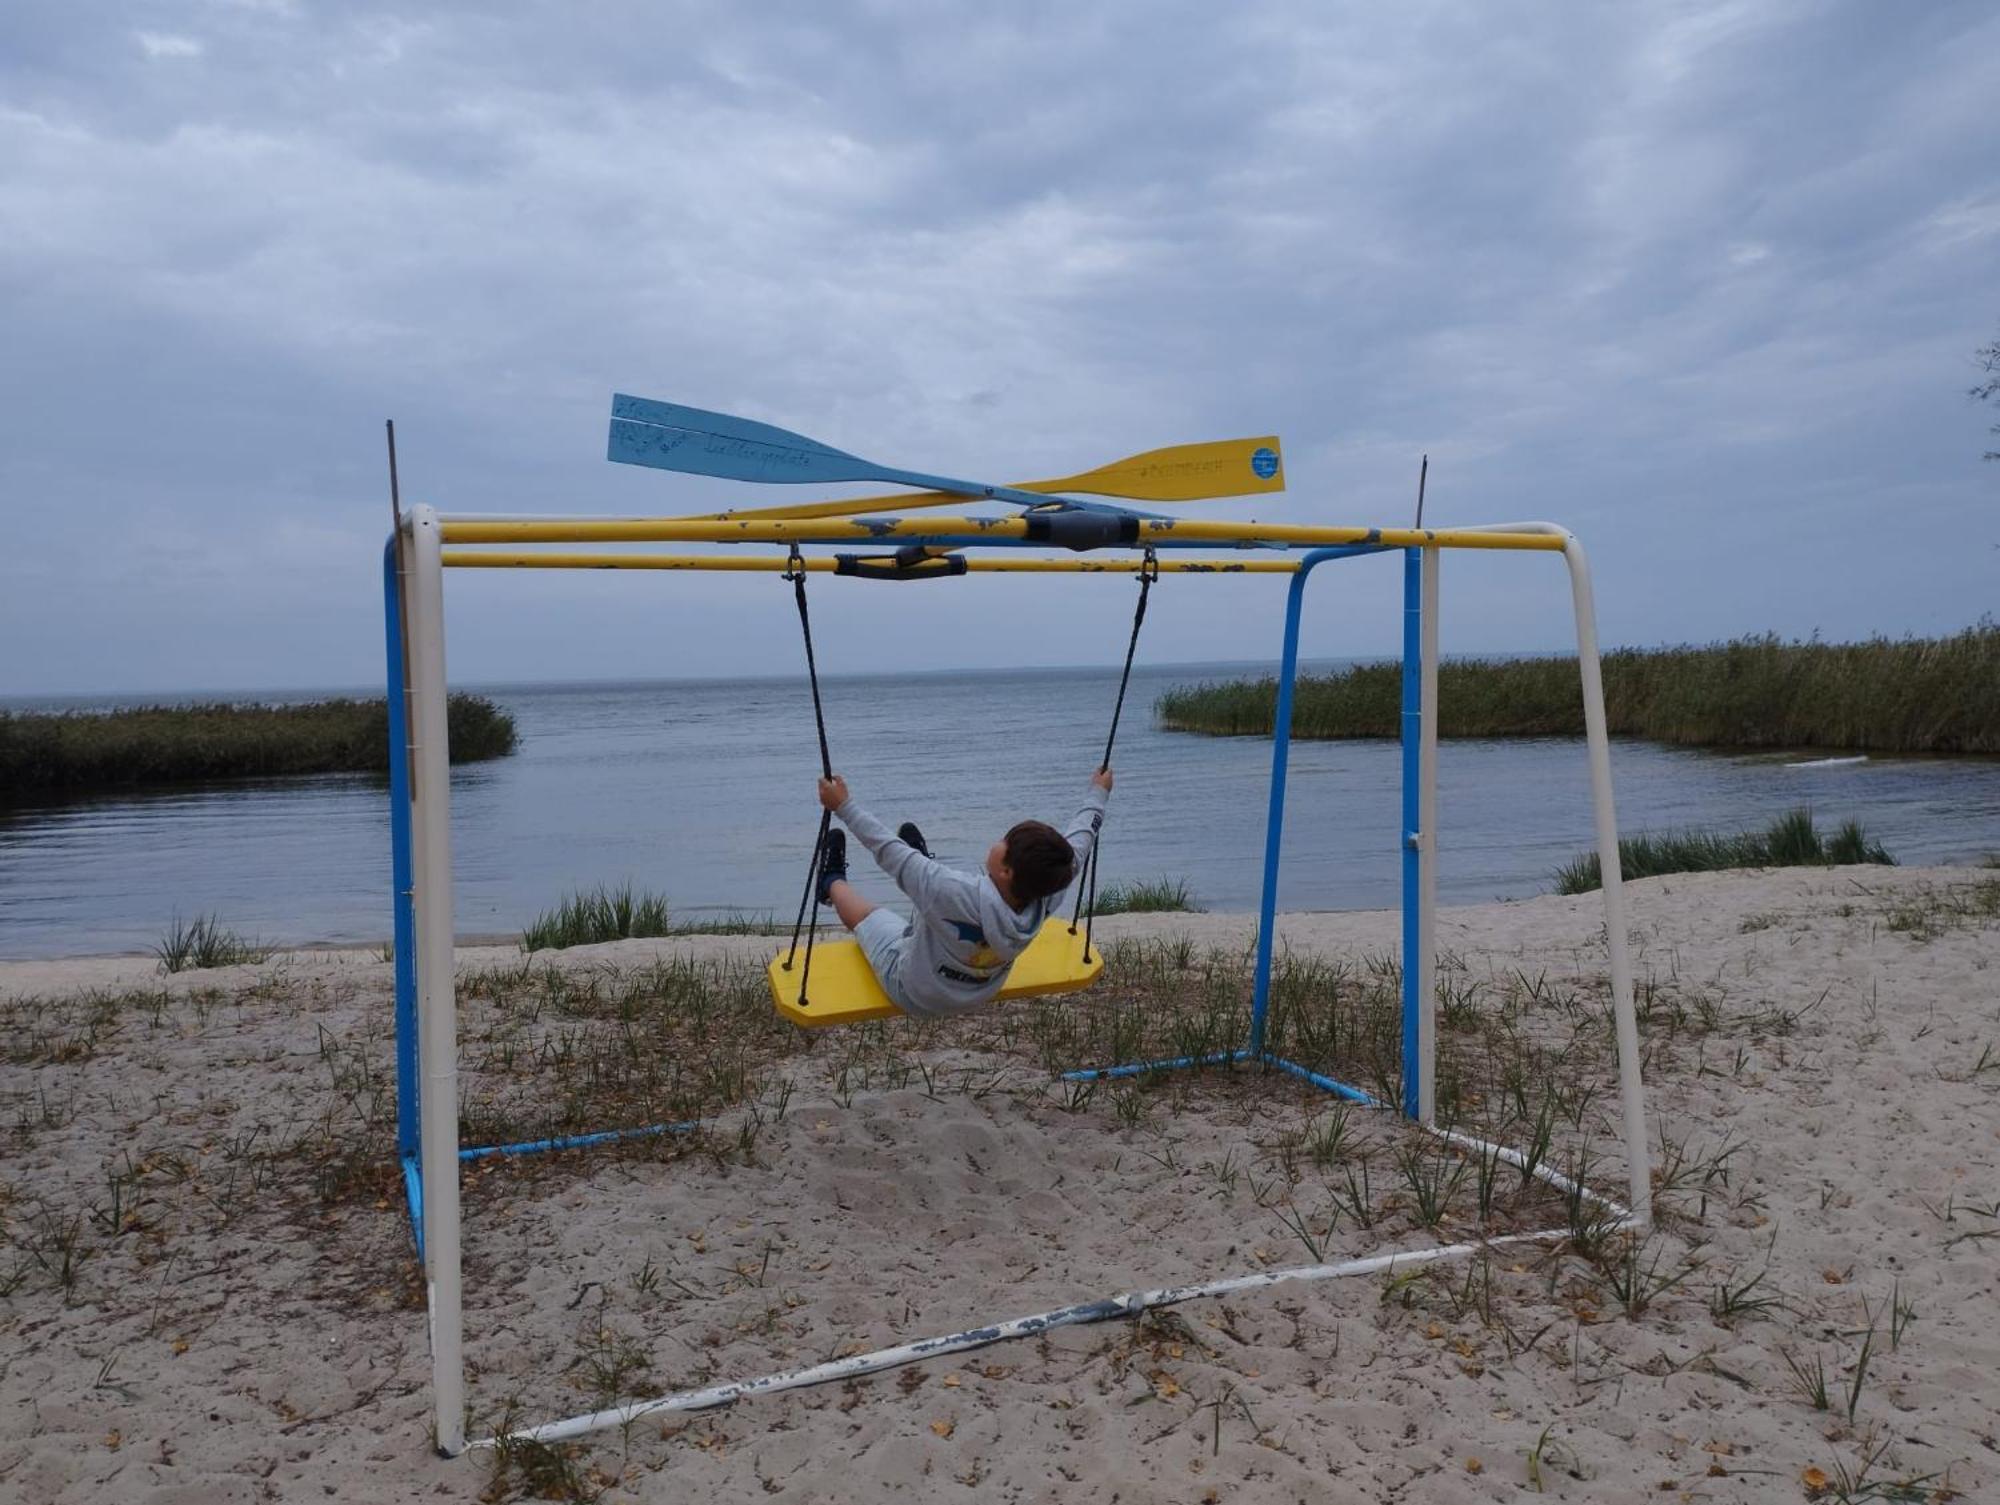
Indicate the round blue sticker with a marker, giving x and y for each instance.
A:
(1265, 463)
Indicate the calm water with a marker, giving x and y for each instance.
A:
(703, 791)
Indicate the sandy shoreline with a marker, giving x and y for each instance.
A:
(241, 1322)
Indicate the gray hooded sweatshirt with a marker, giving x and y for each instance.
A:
(964, 936)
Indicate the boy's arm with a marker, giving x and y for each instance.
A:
(918, 876)
(1081, 832)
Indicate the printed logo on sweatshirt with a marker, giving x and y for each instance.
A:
(983, 954)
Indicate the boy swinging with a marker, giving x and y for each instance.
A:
(953, 955)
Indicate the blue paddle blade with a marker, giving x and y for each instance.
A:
(667, 436)
(695, 441)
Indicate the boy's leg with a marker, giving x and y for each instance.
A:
(849, 905)
(882, 935)
(834, 888)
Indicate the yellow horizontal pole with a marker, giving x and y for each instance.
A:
(492, 559)
(843, 530)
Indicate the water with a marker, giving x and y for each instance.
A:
(703, 791)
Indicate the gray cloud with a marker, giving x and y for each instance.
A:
(1700, 280)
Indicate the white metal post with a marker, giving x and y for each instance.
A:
(1427, 849)
(437, 1025)
(1631, 1089)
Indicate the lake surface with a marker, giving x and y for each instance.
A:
(704, 791)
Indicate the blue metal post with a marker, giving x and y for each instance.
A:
(1281, 756)
(403, 896)
(1413, 721)
(1274, 821)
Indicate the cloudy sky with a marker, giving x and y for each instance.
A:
(1702, 281)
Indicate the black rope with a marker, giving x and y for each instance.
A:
(812, 886)
(796, 573)
(1149, 571)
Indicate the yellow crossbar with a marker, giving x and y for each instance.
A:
(845, 530)
(496, 559)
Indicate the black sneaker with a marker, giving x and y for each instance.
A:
(908, 834)
(832, 862)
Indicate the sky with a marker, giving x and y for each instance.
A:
(1701, 281)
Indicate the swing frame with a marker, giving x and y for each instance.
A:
(426, 543)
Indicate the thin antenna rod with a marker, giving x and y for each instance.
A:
(396, 490)
(1423, 474)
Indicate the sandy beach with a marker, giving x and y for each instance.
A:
(208, 1291)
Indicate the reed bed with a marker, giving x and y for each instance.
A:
(85, 751)
(1939, 695)
(1792, 840)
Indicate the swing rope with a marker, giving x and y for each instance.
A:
(795, 571)
(1149, 571)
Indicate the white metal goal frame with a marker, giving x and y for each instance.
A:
(427, 542)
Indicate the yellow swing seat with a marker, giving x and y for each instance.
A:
(842, 988)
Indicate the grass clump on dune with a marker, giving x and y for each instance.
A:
(1792, 840)
(1891, 695)
(1147, 896)
(624, 913)
(199, 943)
(81, 751)
(597, 915)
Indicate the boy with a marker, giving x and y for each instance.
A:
(954, 954)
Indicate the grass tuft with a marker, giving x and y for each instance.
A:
(1892, 695)
(1147, 896)
(605, 913)
(202, 942)
(1792, 840)
(599, 914)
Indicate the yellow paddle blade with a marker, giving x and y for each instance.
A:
(1178, 473)
(1184, 472)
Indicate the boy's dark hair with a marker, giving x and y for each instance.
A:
(1041, 859)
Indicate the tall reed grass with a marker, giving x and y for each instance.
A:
(80, 751)
(1886, 694)
(1792, 840)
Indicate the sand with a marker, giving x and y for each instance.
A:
(228, 1335)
